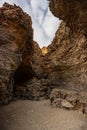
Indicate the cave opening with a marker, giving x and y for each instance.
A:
(23, 74)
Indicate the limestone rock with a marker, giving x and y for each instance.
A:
(62, 103)
(15, 39)
(66, 104)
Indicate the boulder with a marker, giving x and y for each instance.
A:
(62, 98)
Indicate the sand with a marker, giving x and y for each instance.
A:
(39, 115)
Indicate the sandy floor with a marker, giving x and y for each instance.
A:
(34, 115)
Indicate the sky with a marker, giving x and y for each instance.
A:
(44, 23)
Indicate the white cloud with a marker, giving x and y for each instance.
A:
(44, 23)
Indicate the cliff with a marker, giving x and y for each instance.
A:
(66, 60)
(16, 36)
(67, 53)
(21, 71)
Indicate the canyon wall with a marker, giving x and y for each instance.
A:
(36, 85)
(67, 55)
(66, 61)
(21, 63)
(16, 46)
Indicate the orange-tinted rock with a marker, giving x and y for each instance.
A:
(44, 50)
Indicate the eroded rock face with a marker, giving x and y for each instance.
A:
(36, 87)
(67, 55)
(37, 60)
(66, 61)
(16, 36)
(73, 12)
(69, 99)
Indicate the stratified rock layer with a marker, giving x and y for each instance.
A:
(15, 43)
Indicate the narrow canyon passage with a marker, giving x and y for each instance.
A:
(39, 115)
(60, 75)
